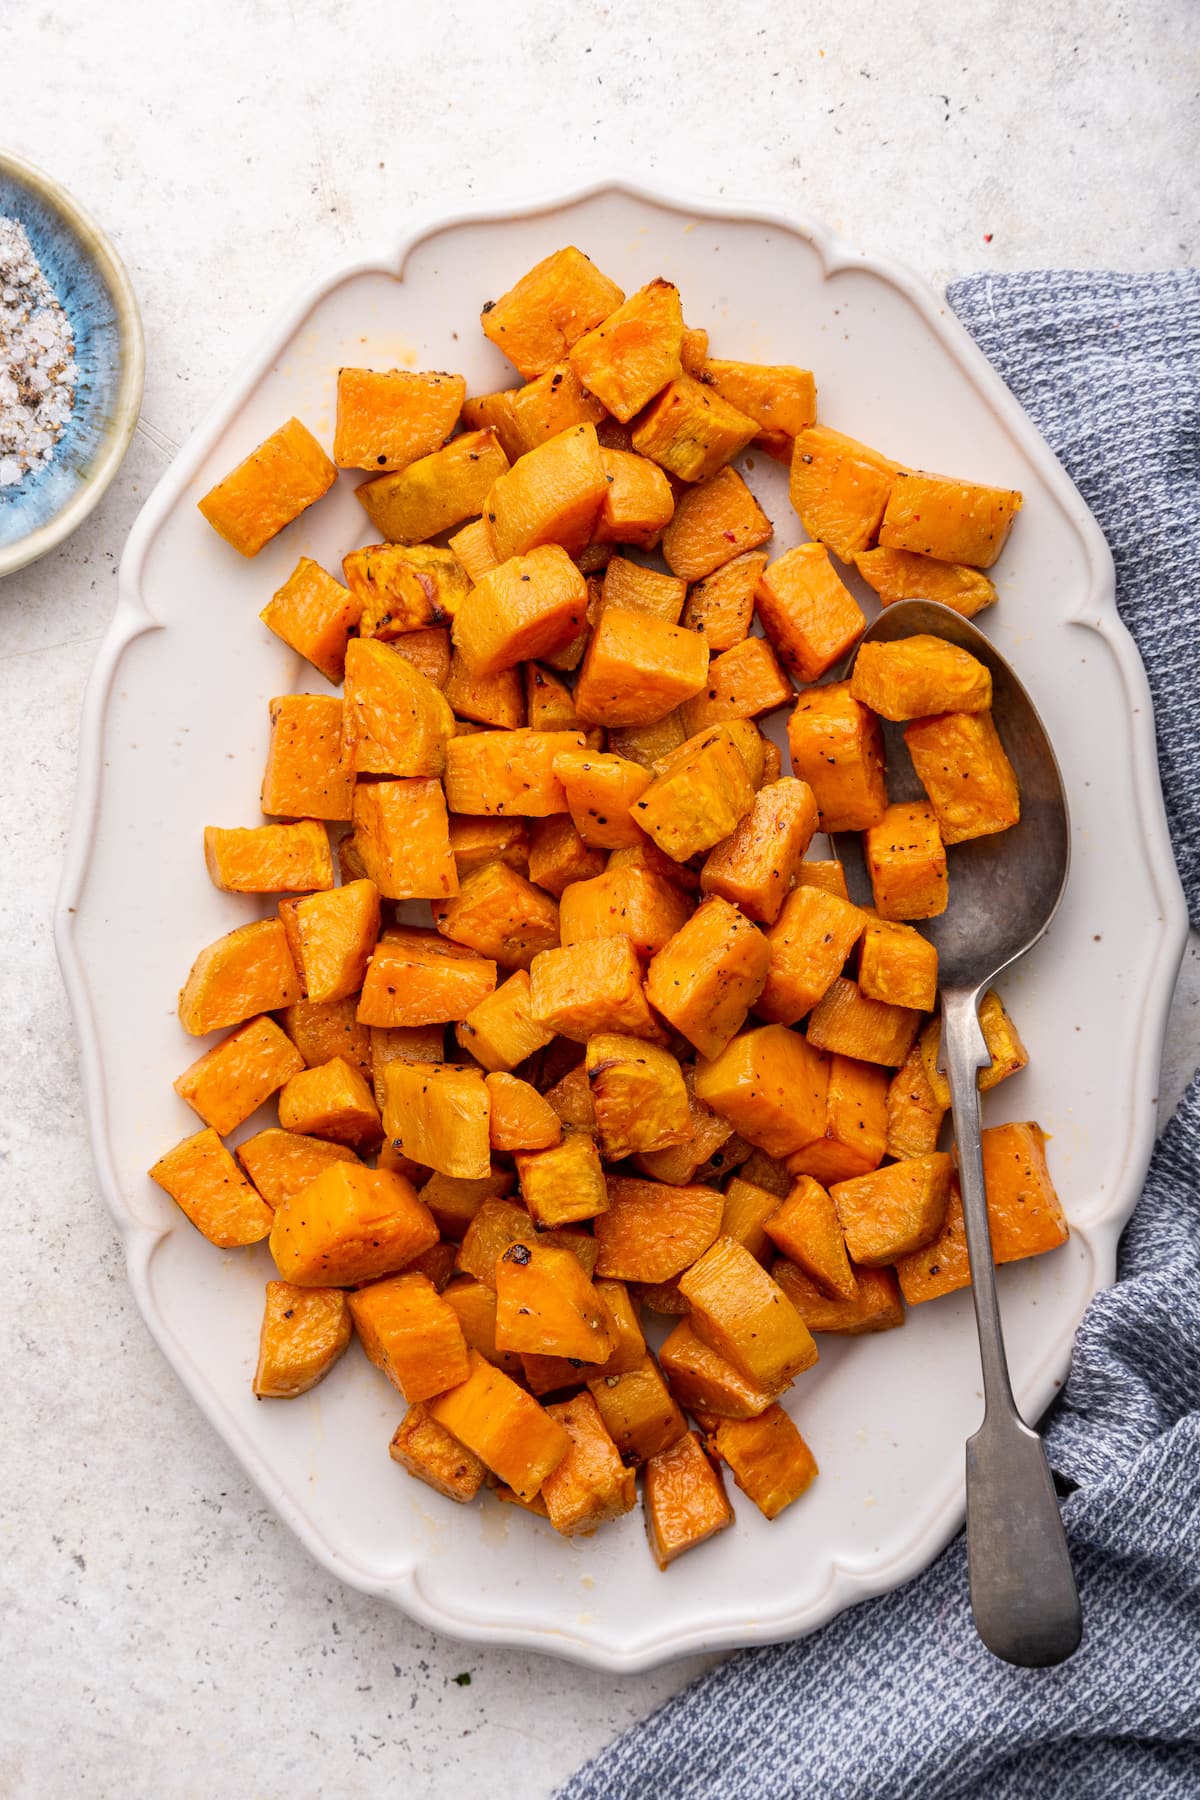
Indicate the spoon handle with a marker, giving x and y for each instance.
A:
(1023, 1592)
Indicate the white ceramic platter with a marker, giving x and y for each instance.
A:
(174, 737)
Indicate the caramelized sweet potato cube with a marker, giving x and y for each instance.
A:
(497, 772)
(435, 492)
(906, 860)
(637, 669)
(321, 1029)
(520, 1118)
(314, 615)
(500, 1031)
(350, 1225)
(304, 1331)
(748, 1206)
(428, 650)
(502, 915)
(269, 859)
(706, 978)
(768, 1459)
(601, 789)
(634, 352)
(690, 431)
(839, 488)
(1025, 1215)
(914, 676)
(647, 855)
(571, 1098)
(455, 1202)
(559, 859)
(701, 797)
(504, 1426)
(526, 607)
(206, 1184)
(634, 903)
(638, 1094)
(808, 945)
(411, 1334)
(849, 1024)
(496, 700)
(660, 1297)
(855, 1135)
(549, 702)
(897, 964)
(701, 1378)
(914, 1111)
(230, 1081)
(770, 1083)
(417, 978)
(546, 1304)
(743, 683)
(1008, 1054)
(332, 936)
(270, 488)
(591, 1485)
(248, 971)
(475, 1304)
(779, 397)
(431, 1453)
(280, 1164)
(712, 524)
(310, 769)
(638, 1412)
(551, 495)
(875, 1307)
(402, 835)
(590, 987)
(765, 1172)
(901, 575)
(639, 501)
(386, 419)
(565, 1183)
(475, 841)
(438, 1113)
(971, 784)
(684, 1500)
(635, 588)
(895, 1209)
(806, 1228)
(331, 1101)
(836, 746)
(721, 606)
(473, 546)
(651, 1232)
(744, 1315)
(956, 521)
(494, 412)
(436, 1263)
(538, 320)
(755, 866)
(807, 611)
(394, 713)
(405, 590)
(549, 404)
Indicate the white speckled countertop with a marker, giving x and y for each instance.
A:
(165, 1637)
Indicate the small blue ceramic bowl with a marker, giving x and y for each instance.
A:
(87, 275)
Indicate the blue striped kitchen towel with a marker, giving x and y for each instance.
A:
(897, 1699)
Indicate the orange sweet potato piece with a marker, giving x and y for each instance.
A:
(455, 1202)
(475, 1304)
(411, 1334)
(701, 1378)
(496, 1225)
(808, 944)
(386, 419)
(547, 1306)
(855, 1135)
(310, 770)
(564, 1183)
(304, 1331)
(402, 834)
(636, 588)
(836, 746)
(497, 772)
(350, 1225)
(875, 1307)
(963, 768)
(591, 1485)
(755, 866)
(766, 1172)
(639, 501)
(806, 1228)
(914, 1112)
(501, 915)
(204, 1181)
(770, 1083)
(475, 841)
(400, 723)
(779, 397)
(232, 1080)
(630, 902)
(638, 1094)
(906, 860)
(332, 936)
(748, 1205)
(721, 606)
(839, 488)
(538, 320)
(248, 971)
(846, 1022)
(638, 1412)
(417, 978)
(321, 1029)
(768, 1458)
(528, 606)
(500, 1030)
(520, 1118)
(684, 1500)
(956, 521)
(744, 1315)
(315, 615)
(807, 611)
(435, 492)
(406, 592)
(559, 858)
(637, 669)
(706, 978)
(895, 1209)
(595, 986)
(915, 676)
(700, 795)
(709, 1151)
(901, 575)
(269, 859)
(549, 703)
(897, 964)
(473, 546)
(651, 1232)
(332, 1101)
(280, 1164)
(690, 431)
(551, 495)
(504, 1426)
(549, 404)
(601, 789)
(634, 352)
(497, 700)
(431, 1453)
(273, 486)
(743, 683)
(438, 1114)
(712, 524)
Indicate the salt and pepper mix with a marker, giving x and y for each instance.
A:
(37, 360)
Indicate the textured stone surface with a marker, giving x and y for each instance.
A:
(165, 1636)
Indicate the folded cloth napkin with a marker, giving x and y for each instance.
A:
(897, 1698)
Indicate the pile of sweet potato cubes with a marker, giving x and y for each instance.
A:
(644, 1057)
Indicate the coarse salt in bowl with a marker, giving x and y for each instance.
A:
(83, 269)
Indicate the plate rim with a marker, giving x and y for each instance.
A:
(1097, 612)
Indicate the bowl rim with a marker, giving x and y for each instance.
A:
(132, 369)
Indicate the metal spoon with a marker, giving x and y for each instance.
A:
(1004, 891)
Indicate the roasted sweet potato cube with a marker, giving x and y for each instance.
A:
(765, 1172)
(755, 866)
(281, 1163)
(638, 1094)
(660, 1297)
(418, 978)
(402, 835)
(647, 855)
(591, 1484)
(748, 1206)
(473, 546)
(332, 936)
(690, 431)
(248, 971)
(411, 1334)
(549, 404)
(1008, 1054)
(571, 1098)
(1025, 1216)
(808, 945)
(637, 669)
(706, 978)
(431, 1453)
(436, 491)
(855, 1136)
(721, 606)
(437, 1263)
(768, 1458)
(779, 397)
(500, 1030)
(712, 524)
(399, 722)
(310, 769)
(847, 1023)
(475, 1304)
(806, 1228)
(438, 1114)
(962, 766)
(915, 676)
(633, 353)
(504, 1426)
(321, 1029)
(495, 1226)
(546, 1304)
(638, 1412)
(350, 1225)
(807, 611)
(744, 1315)
(270, 488)
(700, 799)
(387, 418)
(875, 1307)
(635, 588)
(956, 521)
(304, 1331)
(428, 650)
(526, 607)
(590, 987)
(502, 915)
(475, 841)
(601, 789)
(743, 683)
(559, 859)
(332, 1101)
(706, 1135)
(650, 1232)
(496, 700)
(314, 615)
(830, 877)
(770, 1083)
(836, 746)
(269, 859)
(839, 488)
(494, 412)
(633, 903)
(549, 702)
(914, 1112)
(564, 1183)
(455, 1202)
(230, 1081)
(639, 501)
(906, 860)
(897, 964)
(538, 320)
(206, 1184)
(551, 495)
(701, 1378)
(901, 575)
(684, 1500)
(498, 772)
(407, 591)
(520, 1118)
(895, 1209)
